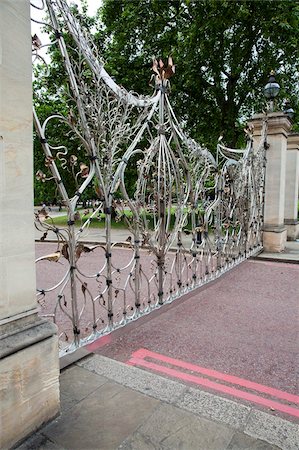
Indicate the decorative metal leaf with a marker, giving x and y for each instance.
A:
(48, 161)
(36, 42)
(73, 160)
(52, 257)
(40, 176)
(72, 118)
(84, 170)
(90, 248)
(65, 251)
(155, 67)
(79, 250)
(84, 287)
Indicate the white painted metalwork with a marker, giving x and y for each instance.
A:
(191, 218)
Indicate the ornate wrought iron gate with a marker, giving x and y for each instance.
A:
(191, 218)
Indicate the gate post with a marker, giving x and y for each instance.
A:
(275, 232)
(292, 187)
(29, 366)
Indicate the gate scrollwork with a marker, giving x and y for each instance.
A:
(191, 217)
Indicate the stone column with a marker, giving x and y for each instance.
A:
(29, 367)
(275, 233)
(292, 187)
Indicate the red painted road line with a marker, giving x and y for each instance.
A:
(215, 386)
(99, 343)
(143, 353)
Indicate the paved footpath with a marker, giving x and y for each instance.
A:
(109, 405)
(215, 370)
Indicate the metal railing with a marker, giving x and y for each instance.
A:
(191, 217)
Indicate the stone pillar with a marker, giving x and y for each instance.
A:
(292, 187)
(29, 366)
(275, 233)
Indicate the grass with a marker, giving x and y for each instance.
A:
(61, 221)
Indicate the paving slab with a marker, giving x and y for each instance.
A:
(177, 429)
(102, 420)
(110, 411)
(289, 254)
(241, 441)
(77, 383)
(39, 442)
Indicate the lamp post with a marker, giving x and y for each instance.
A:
(288, 110)
(271, 90)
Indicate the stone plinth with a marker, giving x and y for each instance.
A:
(29, 391)
(275, 233)
(292, 187)
(274, 239)
(29, 386)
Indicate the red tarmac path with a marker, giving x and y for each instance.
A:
(237, 337)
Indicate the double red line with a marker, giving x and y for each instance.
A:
(138, 359)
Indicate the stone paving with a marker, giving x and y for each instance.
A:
(108, 405)
(290, 253)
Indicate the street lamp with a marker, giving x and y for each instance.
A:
(271, 90)
(288, 110)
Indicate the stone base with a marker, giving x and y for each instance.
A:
(29, 381)
(292, 230)
(274, 241)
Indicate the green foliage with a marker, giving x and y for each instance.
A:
(57, 135)
(224, 51)
(95, 222)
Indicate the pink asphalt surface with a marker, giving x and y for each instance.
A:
(245, 324)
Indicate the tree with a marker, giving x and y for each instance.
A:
(224, 52)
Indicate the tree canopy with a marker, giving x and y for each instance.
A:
(223, 50)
